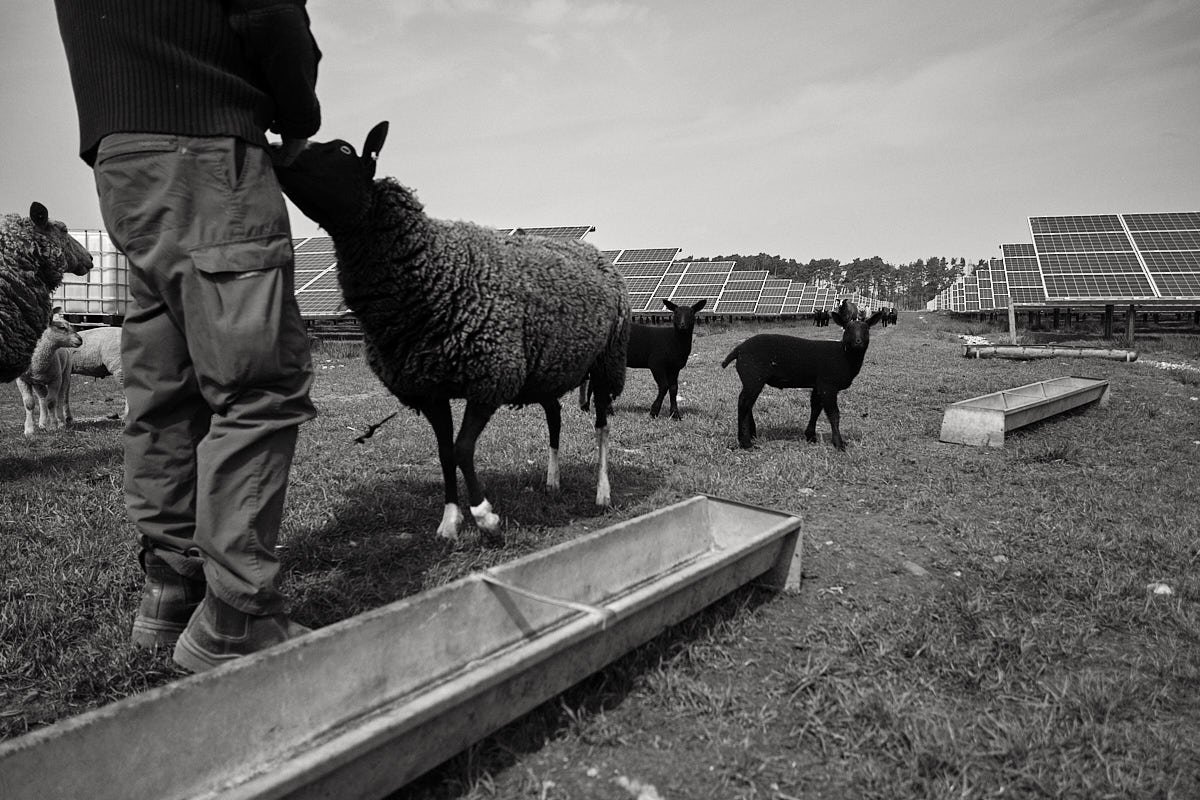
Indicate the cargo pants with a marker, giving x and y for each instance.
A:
(216, 357)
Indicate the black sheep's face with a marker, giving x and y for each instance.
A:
(856, 333)
(683, 318)
(331, 183)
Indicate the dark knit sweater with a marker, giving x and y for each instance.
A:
(190, 67)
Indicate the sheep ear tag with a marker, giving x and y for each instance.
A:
(373, 145)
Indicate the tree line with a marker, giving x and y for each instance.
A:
(910, 286)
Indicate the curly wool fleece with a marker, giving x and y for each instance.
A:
(454, 309)
(33, 259)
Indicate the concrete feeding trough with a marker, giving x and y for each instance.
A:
(985, 420)
(1026, 352)
(361, 707)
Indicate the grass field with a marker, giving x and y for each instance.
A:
(973, 622)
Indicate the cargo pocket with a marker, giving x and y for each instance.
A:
(255, 255)
(242, 326)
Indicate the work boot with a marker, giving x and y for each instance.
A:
(168, 601)
(218, 632)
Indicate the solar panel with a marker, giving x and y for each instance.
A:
(658, 254)
(644, 279)
(647, 285)
(314, 244)
(1095, 258)
(701, 280)
(984, 276)
(1079, 224)
(315, 260)
(776, 288)
(971, 292)
(316, 304)
(739, 297)
(736, 307)
(639, 301)
(741, 291)
(1023, 276)
(669, 281)
(794, 302)
(576, 232)
(1189, 220)
(1169, 245)
(1172, 262)
(1179, 284)
(1022, 250)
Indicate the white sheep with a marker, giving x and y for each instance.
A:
(48, 377)
(100, 356)
(455, 310)
(35, 251)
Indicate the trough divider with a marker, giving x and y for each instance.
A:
(605, 614)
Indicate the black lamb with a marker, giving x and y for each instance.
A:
(663, 350)
(789, 362)
(455, 310)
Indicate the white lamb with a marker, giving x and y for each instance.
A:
(100, 356)
(48, 377)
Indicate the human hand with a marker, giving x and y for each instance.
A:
(284, 153)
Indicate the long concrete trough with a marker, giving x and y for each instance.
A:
(985, 420)
(359, 708)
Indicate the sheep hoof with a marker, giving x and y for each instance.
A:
(451, 518)
(487, 521)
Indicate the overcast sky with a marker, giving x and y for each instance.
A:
(836, 128)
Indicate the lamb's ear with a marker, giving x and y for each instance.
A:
(39, 214)
(878, 315)
(372, 146)
(669, 304)
(836, 316)
(700, 305)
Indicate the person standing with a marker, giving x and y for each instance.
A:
(174, 101)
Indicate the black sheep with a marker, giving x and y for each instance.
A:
(789, 362)
(664, 351)
(454, 310)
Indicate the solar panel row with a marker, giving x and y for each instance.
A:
(1121, 257)
(651, 275)
(1101, 258)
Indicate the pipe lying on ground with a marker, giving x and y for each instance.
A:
(1023, 351)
